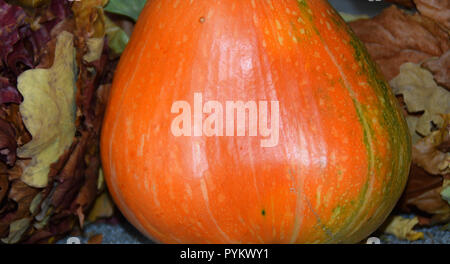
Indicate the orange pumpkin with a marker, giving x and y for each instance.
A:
(343, 153)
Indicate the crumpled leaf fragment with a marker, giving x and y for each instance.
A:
(421, 93)
(8, 144)
(438, 10)
(130, 8)
(11, 18)
(402, 228)
(103, 208)
(395, 37)
(89, 18)
(4, 186)
(8, 93)
(48, 111)
(16, 230)
(445, 193)
(117, 38)
(440, 67)
(95, 49)
(426, 154)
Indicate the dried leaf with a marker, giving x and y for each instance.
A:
(48, 111)
(438, 10)
(117, 38)
(440, 67)
(130, 8)
(8, 145)
(445, 193)
(421, 93)
(425, 152)
(402, 228)
(395, 37)
(89, 18)
(16, 230)
(95, 49)
(103, 208)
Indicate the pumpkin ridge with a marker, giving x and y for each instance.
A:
(368, 137)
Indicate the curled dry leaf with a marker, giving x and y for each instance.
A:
(426, 154)
(48, 111)
(438, 10)
(421, 94)
(8, 144)
(445, 193)
(402, 228)
(103, 208)
(440, 67)
(72, 179)
(395, 37)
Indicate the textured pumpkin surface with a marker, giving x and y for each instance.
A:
(343, 154)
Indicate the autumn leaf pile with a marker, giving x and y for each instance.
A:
(57, 59)
(56, 64)
(412, 48)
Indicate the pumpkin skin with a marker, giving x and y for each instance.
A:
(344, 149)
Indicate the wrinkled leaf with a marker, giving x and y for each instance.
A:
(89, 18)
(440, 67)
(103, 208)
(395, 37)
(437, 10)
(95, 49)
(129, 8)
(445, 193)
(402, 228)
(117, 38)
(16, 230)
(426, 153)
(48, 111)
(421, 93)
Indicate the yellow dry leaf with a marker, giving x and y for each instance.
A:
(402, 228)
(95, 49)
(16, 230)
(445, 193)
(48, 111)
(103, 208)
(421, 93)
(425, 152)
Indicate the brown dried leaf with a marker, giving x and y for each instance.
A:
(438, 10)
(422, 96)
(4, 184)
(8, 145)
(402, 228)
(394, 38)
(425, 152)
(440, 67)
